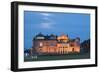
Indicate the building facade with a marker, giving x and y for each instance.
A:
(53, 44)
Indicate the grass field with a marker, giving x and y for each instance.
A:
(57, 57)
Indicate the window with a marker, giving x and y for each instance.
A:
(41, 44)
(71, 45)
(52, 44)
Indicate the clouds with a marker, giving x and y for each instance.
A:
(46, 18)
(47, 25)
(73, 24)
(47, 22)
(45, 14)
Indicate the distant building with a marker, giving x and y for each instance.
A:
(53, 44)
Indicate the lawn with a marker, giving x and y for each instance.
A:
(57, 57)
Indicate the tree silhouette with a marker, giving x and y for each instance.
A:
(85, 45)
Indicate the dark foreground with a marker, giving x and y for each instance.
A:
(57, 57)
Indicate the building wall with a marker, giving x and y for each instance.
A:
(45, 46)
(59, 48)
(61, 45)
(66, 48)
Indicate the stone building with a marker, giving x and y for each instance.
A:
(53, 44)
(45, 44)
(67, 45)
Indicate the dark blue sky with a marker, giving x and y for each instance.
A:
(73, 24)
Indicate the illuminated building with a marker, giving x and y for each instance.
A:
(53, 44)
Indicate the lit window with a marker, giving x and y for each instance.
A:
(41, 44)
